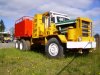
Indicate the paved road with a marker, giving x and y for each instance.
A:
(7, 45)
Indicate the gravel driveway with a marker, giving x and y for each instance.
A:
(7, 45)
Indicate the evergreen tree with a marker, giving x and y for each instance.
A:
(2, 26)
(97, 35)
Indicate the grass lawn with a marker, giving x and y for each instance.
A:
(16, 62)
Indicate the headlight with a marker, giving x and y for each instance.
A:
(79, 39)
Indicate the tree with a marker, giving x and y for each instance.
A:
(97, 38)
(96, 35)
(2, 26)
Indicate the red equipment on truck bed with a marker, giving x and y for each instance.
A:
(23, 27)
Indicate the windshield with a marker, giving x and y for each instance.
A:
(62, 19)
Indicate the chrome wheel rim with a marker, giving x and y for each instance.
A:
(53, 49)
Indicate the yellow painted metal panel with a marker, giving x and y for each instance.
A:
(38, 26)
(62, 38)
(85, 19)
(71, 34)
(91, 39)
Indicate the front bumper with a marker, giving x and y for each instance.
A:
(83, 45)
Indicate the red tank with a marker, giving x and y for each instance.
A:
(24, 27)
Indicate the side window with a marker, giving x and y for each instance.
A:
(61, 19)
(53, 19)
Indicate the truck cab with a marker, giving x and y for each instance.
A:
(75, 33)
(54, 17)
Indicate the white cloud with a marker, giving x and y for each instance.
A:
(74, 8)
(74, 3)
(15, 8)
(97, 22)
(93, 12)
(21, 7)
(97, 26)
(73, 12)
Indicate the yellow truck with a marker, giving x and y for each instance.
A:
(57, 32)
(5, 37)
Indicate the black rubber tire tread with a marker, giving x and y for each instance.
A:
(85, 51)
(60, 52)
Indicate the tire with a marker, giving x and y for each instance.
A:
(22, 45)
(54, 49)
(17, 44)
(28, 45)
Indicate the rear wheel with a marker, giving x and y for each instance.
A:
(22, 45)
(17, 44)
(54, 49)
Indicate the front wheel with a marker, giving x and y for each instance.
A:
(54, 49)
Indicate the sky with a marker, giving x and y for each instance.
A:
(11, 10)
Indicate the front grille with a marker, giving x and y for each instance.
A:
(85, 28)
